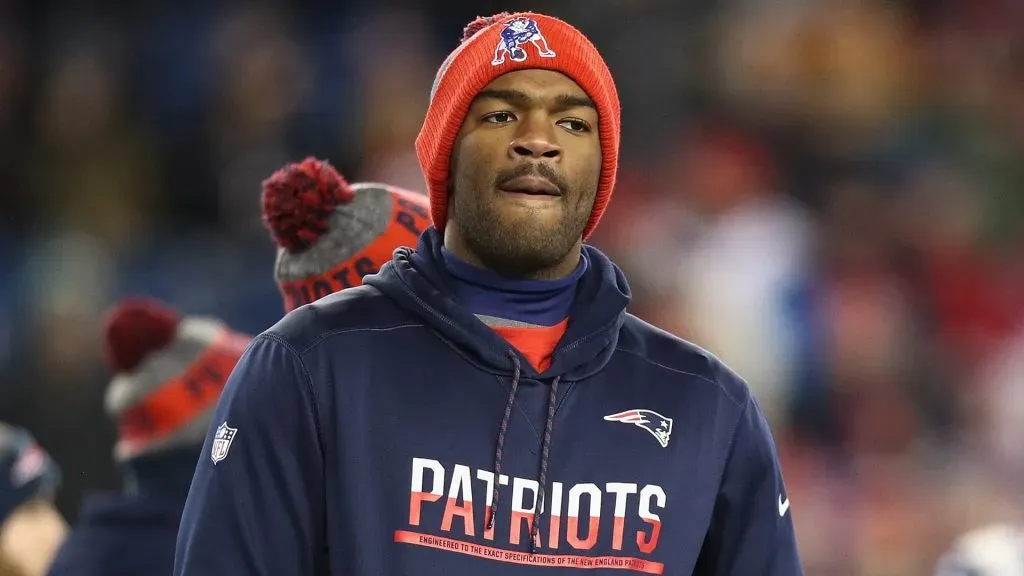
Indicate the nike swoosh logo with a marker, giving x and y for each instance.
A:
(783, 506)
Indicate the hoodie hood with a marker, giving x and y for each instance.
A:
(419, 282)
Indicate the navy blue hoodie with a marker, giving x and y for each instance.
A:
(131, 533)
(363, 435)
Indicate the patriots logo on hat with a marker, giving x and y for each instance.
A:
(659, 426)
(222, 440)
(517, 33)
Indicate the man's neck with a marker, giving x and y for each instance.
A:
(454, 244)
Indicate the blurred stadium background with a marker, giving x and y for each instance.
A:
(825, 193)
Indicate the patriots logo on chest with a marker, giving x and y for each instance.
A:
(659, 426)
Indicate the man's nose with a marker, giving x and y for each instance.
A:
(535, 141)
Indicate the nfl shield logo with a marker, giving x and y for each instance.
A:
(222, 442)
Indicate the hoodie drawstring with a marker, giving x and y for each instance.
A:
(545, 451)
(501, 438)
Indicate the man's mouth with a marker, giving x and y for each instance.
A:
(531, 186)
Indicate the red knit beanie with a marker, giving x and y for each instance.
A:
(493, 47)
(331, 233)
(169, 373)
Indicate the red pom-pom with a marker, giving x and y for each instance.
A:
(135, 328)
(298, 200)
(480, 23)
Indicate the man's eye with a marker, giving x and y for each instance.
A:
(574, 125)
(500, 118)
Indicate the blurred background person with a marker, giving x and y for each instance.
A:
(169, 372)
(841, 178)
(31, 528)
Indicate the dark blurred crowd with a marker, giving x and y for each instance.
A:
(826, 194)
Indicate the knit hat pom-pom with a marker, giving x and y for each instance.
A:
(298, 200)
(480, 23)
(136, 328)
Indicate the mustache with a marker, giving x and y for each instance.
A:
(533, 169)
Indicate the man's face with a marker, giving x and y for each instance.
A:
(525, 170)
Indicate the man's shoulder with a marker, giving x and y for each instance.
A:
(674, 354)
(350, 310)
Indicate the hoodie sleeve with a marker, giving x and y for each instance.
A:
(256, 501)
(752, 527)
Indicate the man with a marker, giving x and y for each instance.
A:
(169, 372)
(419, 424)
(31, 528)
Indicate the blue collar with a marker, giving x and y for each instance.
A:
(486, 293)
